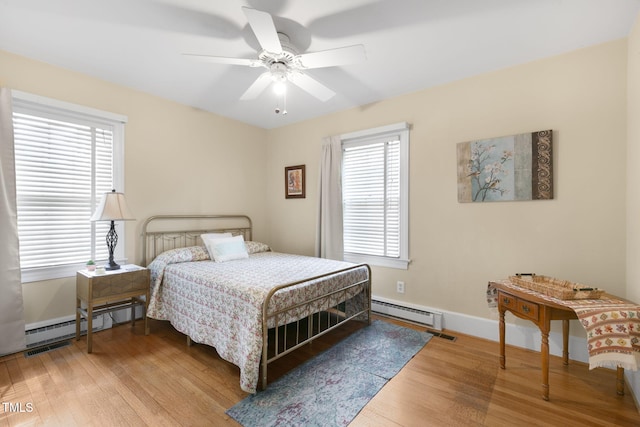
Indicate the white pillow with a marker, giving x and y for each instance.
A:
(227, 249)
(209, 236)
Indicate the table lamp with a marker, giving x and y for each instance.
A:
(112, 207)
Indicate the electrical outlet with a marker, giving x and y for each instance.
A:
(400, 287)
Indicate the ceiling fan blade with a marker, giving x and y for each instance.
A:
(224, 60)
(311, 85)
(334, 57)
(265, 30)
(257, 87)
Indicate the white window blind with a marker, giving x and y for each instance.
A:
(371, 196)
(65, 161)
(375, 193)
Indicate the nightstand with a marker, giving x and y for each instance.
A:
(113, 290)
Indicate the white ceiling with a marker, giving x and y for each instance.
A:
(410, 44)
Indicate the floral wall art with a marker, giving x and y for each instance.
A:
(516, 167)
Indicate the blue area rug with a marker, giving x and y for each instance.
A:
(331, 388)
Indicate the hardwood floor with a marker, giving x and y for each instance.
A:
(156, 380)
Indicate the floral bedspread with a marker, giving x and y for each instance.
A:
(220, 304)
(612, 326)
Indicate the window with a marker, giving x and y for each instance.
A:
(66, 156)
(375, 196)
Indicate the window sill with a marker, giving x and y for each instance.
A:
(49, 273)
(401, 264)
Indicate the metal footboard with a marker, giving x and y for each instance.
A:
(311, 326)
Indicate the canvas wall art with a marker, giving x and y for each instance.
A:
(508, 168)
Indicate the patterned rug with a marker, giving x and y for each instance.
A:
(332, 388)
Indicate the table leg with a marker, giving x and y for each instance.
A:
(544, 350)
(620, 381)
(565, 341)
(133, 312)
(89, 326)
(145, 306)
(501, 328)
(78, 318)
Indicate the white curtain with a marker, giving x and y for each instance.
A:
(329, 240)
(12, 337)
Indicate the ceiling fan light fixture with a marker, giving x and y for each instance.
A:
(283, 62)
(279, 87)
(279, 73)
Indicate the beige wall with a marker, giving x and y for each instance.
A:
(633, 162)
(177, 160)
(457, 248)
(633, 178)
(180, 160)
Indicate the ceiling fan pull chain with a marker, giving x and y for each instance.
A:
(284, 102)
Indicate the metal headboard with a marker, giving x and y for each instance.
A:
(186, 230)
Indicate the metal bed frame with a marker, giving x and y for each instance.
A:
(310, 327)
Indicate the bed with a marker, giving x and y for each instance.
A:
(252, 310)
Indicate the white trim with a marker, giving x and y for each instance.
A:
(528, 337)
(366, 136)
(68, 106)
(44, 323)
(396, 127)
(521, 335)
(379, 261)
(404, 195)
(633, 381)
(52, 108)
(67, 270)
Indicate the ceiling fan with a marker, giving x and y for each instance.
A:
(283, 62)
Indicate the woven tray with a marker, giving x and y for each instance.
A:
(561, 289)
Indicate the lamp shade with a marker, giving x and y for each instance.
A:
(112, 207)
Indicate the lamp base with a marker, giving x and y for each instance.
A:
(112, 266)
(112, 240)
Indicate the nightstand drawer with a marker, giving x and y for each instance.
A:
(104, 286)
(120, 283)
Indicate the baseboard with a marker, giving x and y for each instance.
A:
(45, 332)
(406, 311)
(521, 334)
(524, 335)
(633, 385)
(52, 330)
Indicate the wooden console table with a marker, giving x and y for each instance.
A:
(540, 311)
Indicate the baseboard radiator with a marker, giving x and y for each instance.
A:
(423, 317)
(58, 329)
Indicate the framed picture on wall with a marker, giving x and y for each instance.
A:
(294, 182)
